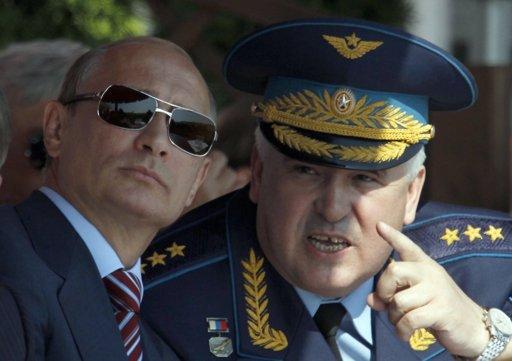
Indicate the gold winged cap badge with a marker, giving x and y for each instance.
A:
(352, 47)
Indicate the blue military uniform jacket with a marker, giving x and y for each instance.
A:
(210, 290)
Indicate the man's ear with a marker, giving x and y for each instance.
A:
(256, 170)
(55, 121)
(200, 177)
(413, 196)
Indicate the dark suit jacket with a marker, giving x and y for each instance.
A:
(224, 274)
(53, 305)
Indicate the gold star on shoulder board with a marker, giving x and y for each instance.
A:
(176, 250)
(494, 233)
(473, 233)
(156, 259)
(142, 266)
(450, 236)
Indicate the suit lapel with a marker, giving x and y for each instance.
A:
(83, 298)
(271, 322)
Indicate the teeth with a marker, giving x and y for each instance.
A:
(327, 244)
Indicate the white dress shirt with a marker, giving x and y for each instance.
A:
(353, 347)
(104, 256)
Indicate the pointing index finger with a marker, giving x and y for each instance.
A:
(407, 249)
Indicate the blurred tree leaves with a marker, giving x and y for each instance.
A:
(98, 21)
(90, 21)
(206, 29)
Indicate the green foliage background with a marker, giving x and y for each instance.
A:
(98, 21)
(94, 22)
(89, 21)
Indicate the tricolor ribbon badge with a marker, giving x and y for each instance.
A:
(217, 325)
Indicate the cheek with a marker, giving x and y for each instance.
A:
(91, 152)
(387, 205)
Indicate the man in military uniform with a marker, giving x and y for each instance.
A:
(297, 265)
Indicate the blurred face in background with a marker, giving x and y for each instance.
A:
(22, 173)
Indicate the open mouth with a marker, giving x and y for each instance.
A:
(328, 244)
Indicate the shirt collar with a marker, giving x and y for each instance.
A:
(106, 259)
(355, 304)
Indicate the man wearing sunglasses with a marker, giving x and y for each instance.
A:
(297, 266)
(127, 139)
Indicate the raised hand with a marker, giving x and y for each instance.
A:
(418, 293)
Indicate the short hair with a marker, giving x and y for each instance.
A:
(413, 165)
(5, 129)
(35, 69)
(85, 63)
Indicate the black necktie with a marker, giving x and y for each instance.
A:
(328, 319)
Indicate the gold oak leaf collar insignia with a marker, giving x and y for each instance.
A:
(260, 331)
(421, 340)
(352, 47)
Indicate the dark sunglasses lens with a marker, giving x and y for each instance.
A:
(126, 108)
(191, 131)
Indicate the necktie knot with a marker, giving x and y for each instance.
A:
(328, 318)
(124, 290)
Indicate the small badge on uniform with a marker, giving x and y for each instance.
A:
(220, 346)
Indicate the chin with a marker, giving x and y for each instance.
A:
(333, 285)
(144, 207)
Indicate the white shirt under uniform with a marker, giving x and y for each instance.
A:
(354, 338)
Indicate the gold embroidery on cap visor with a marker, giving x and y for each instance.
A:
(377, 120)
(351, 47)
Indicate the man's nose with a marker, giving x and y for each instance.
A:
(154, 137)
(334, 202)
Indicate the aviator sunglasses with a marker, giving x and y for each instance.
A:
(128, 108)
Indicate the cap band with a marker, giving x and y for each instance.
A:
(346, 111)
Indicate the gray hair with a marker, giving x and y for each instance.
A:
(35, 69)
(413, 165)
(5, 129)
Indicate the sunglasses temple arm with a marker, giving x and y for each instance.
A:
(82, 97)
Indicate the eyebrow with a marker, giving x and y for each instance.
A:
(379, 173)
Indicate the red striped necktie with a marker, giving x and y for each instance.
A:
(124, 290)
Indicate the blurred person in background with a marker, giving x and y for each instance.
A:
(30, 75)
(5, 130)
(231, 156)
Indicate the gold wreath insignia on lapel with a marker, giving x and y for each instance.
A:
(256, 301)
(421, 340)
